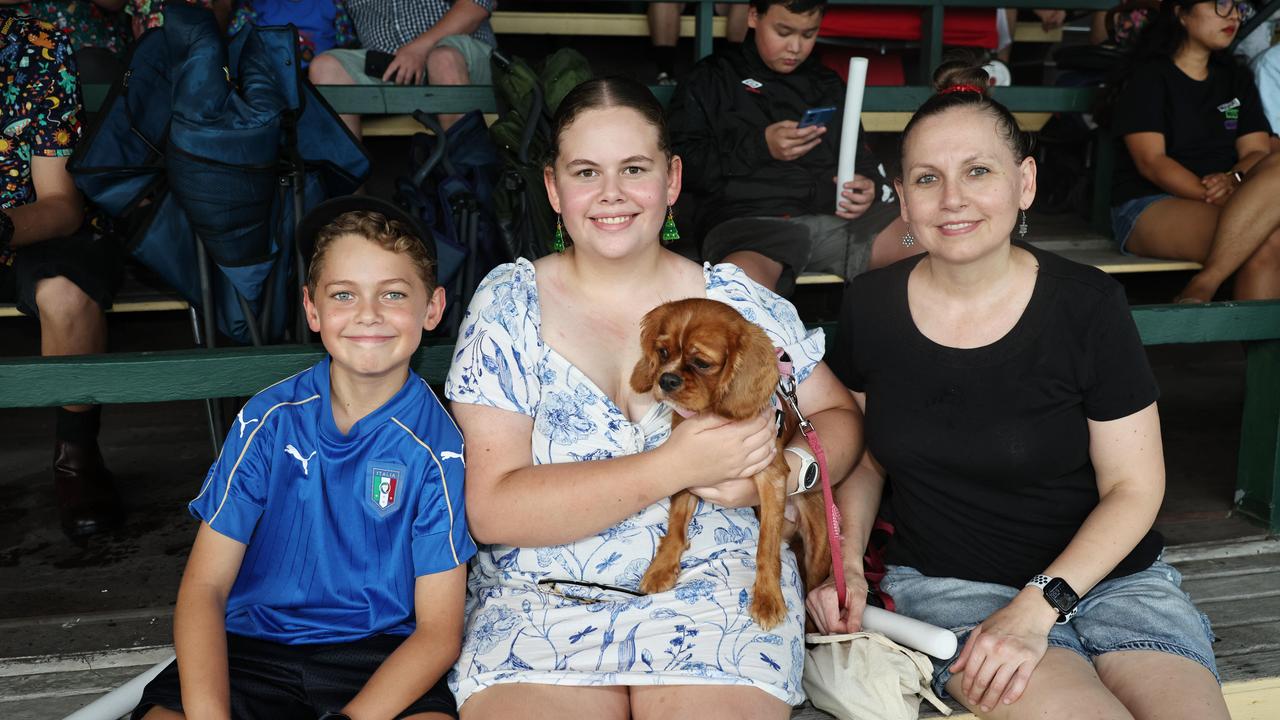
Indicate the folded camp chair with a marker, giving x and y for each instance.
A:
(208, 155)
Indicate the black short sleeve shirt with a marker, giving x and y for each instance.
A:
(1200, 120)
(987, 449)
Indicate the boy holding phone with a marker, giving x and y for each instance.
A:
(758, 128)
(440, 42)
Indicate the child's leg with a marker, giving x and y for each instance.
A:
(266, 682)
(334, 674)
(158, 713)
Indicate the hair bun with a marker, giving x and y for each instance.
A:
(961, 76)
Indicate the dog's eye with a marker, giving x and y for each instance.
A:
(701, 364)
(662, 354)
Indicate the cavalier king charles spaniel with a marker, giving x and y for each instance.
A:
(699, 356)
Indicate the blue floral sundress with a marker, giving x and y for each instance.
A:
(699, 633)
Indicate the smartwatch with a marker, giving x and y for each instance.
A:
(1058, 594)
(808, 469)
(1239, 176)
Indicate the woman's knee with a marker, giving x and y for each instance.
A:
(1064, 684)
(447, 66)
(1162, 686)
(1266, 259)
(61, 301)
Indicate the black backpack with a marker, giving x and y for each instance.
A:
(526, 102)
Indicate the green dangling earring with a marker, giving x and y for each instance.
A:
(557, 243)
(669, 232)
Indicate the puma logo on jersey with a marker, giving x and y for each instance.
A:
(450, 455)
(244, 423)
(293, 451)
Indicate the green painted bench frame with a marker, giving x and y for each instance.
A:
(241, 372)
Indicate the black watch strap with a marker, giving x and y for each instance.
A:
(1059, 594)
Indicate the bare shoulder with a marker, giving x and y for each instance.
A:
(684, 275)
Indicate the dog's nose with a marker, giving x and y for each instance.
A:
(669, 382)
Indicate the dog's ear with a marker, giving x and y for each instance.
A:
(751, 373)
(645, 373)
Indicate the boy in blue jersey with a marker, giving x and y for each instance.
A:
(328, 575)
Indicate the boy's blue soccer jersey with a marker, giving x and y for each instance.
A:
(337, 526)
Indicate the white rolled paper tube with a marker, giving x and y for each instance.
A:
(122, 700)
(922, 636)
(852, 121)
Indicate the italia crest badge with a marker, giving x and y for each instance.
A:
(383, 483)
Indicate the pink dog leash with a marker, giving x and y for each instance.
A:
(787, 391)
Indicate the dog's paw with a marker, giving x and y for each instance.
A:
(768, 609)
(658, 579)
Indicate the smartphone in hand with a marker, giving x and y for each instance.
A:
(816, 116)
(376, 63)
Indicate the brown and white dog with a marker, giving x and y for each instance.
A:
(700, 356)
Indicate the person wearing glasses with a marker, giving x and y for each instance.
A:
(1197, 181)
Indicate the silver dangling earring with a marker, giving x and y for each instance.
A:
(908, 239)
(1022, 226)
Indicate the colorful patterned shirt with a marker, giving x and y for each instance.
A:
(322, 24)
(147, 14)
(86, 24)
(39, 102)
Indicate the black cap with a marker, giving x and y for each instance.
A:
(327, 211)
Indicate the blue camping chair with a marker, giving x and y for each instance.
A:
(211, 154)
(208, 154)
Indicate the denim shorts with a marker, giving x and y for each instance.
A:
(1144, 611)
(1125, 215)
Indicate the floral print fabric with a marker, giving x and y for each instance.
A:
(147, 14)
(564, 615)
(86, 24)
(39, 102)
(319, 28)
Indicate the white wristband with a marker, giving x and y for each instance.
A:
(808, 476)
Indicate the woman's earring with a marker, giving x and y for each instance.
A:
(669, 232)
(1022, 226)
(557, 243)
(908, 239)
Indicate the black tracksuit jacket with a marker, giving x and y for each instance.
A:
(717, 120)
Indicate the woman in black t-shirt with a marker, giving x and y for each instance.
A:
(1197, 182)
(1009, 402)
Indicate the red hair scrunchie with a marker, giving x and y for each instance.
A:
(962, 88)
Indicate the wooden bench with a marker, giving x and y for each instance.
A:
(1086, 249)
(231, 372)
(607, 24)
(68, 660)
(1238, 588)
(704, 21)
(160, 304)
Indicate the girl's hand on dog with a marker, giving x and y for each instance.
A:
(709, 450)
(740, 492)
(824, 605)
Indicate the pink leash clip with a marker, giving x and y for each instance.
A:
(787, 392)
